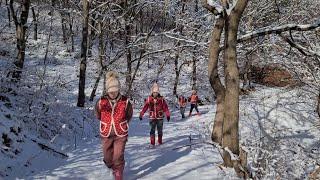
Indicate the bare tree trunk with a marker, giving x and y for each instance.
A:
(9, 16)
(134, 74)
(194, 59)
(194, 71)
(102, 57)
(91, 36)
(215, 81)
(129, 59)
(46, 53)
(176, 69)
(231, 101)
(70, 19)
(127, 42)
(196, 6)
(318, 106)
(141, 20)
(84, 46)
(247, 71)
(176, 58)
(21, 28)
(35, 24)
(64, 28)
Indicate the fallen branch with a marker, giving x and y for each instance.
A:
(46, 147)
(191, 144)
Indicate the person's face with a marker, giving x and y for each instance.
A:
(113, 94)
(155, 94)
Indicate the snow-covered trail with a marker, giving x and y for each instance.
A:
(163, 162)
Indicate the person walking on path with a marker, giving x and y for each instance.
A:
(193, 99)
(182, 105)
(114, 112)
(157, 108)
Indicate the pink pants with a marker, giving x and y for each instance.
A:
(113, 154)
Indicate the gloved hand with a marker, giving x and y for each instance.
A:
(140, 118)
(168, 118)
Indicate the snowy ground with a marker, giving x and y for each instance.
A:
(171, 160)
(278, 125)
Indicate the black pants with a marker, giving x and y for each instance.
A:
(195, 106)
(156, 124)
(182, 110)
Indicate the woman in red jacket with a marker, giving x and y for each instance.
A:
(114, 111)
(157, 107)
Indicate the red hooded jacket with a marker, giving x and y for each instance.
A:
(157, 107)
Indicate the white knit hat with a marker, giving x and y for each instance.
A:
(112, 82)
(155, 88)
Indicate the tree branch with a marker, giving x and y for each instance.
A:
(303, 50)
(14, 16)
(278, 30)
(210, 7)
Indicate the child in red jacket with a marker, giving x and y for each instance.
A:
(114, 112)
(182, 105)
(193, 99)
(157, 107)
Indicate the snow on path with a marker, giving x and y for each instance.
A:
(162, 162)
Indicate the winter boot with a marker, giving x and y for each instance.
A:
(160, 139)
(152, 140)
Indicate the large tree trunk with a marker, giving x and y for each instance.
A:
(230, 138)
(84, 46)
(21, 28)
(215, 81)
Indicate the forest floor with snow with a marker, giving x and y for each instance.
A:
(278, 126)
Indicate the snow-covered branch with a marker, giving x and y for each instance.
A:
(277, 30)
(213, 7)
(234, 157)
(194, 43)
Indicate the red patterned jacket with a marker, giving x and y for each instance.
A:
(114, 117)
(157, 107)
